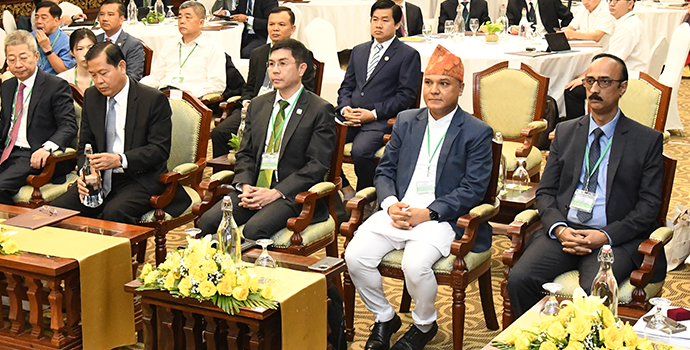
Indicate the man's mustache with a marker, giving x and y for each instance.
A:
(595, 97)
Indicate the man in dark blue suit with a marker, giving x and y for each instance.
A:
(436, 167)
(382, 79)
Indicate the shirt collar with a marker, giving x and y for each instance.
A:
(385, 44)
(620, 21)
(603, 5)
(446, 119)
(29, 82)
(535, 2)
(121, 97)
(113, 38)
(608, 128)
(291, 100)
(201, 40)
(461, 1)
(55, 34)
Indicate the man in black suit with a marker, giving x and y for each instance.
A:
(548, 16)
(131, 141)
(382, 79)
(449, 9)
(254, 14)
(111, 16)
(36, 118)
(287, 147)
(412, 19)
(281, 25)
(604, 159)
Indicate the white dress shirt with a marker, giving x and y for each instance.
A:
(22, 140)
(599, 19)
(121, 118)
(113, 38)
(203, 72)
(629, 43)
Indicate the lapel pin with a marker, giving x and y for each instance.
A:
(299, 111)
(385, 58)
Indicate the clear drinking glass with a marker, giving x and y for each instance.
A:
(170, 13)
(193, 232)
(474, 26)
(551, 307)
(265, 260)
(657, 322)
(426, 31)
(449, 28)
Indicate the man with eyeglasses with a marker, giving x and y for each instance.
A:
(628, 42)
(601, 185)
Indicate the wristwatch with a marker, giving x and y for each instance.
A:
(433, 215)
(49, 53)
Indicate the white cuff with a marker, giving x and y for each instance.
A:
(387, 202)
(50, 146)
(551, 233)
(123, 158)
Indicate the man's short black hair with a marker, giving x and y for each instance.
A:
(299, 52)
(280, 9)
(120, 8)
(621, 63)
(53, 9)
(113, 54)
(385, 5)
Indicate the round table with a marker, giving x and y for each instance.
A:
(478, 55)
(349, 17)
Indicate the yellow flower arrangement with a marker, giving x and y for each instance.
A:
(7, 245)
(582, 324)
(203, 273)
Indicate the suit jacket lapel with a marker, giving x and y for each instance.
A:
(580, 143)
(413, 148)
(36, 92)
(97, 123)
(451, 134)
(259, 130)
(7, 100)
(620, 137)
(295, 118)
(384, 59)
(121, 39)
(130, 118)
(362, 68)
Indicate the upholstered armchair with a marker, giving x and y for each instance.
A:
(39, 189)
(647, 101)
(301, 236)
(634, 292)
(512, 102)
(457, 270)
(191, 123)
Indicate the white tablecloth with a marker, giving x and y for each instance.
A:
(349, 17)
(477, 55)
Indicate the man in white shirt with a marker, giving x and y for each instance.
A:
(194, 62)
(422, 194)
(592, 22)
(627, 43)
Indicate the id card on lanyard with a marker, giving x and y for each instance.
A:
(179, 78)
(269, 160)
(428, 185)
(583, 200)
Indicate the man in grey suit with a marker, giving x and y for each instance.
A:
(436, 167)
(286, 148)
(111, 16)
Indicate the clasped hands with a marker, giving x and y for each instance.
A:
(255, 198)
(357, 116)
(580, 242)
(99, 162)
(405, 217)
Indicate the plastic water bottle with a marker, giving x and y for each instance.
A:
(229, 238)
(132, 12)
(503, 20)
(524, 26)
(93, 181)
(243, 118)
(502, 165)
(159, 8)
(459, 24)
(604, 284)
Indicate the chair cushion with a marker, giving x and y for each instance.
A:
(443, 266)
(347, 151)
(641, 102)
(313, 233)
(571, 280)
(149, 216)
(185, 133)
(49, 191)
(533, 159)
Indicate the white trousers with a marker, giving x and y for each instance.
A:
(363, 255)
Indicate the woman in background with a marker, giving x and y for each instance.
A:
(80, 42)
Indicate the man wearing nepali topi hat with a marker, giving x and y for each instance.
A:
(435, 168)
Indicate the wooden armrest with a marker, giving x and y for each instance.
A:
(470, 222)
(530, 132)
(171, 179)
(214, 188)
(38, 181)
(525, 223)
(651, 249)
(391, 121)
(386, 138)
(227, 106)
(308, 200)
(224, 177)
(357, 204)
(211, 98)
(552, 135)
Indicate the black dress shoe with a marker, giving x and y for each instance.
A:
(415, 339)
(380, 337)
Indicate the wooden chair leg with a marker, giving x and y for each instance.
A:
(458, 316)
(508, 316)
(405, 300)
(349, 301)
(486, 295)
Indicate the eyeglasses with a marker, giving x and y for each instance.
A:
(280, 64)
(604, 82)
(614, 2)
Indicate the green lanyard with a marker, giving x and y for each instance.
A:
(75, 78)
(428, 146)
(273, 118)
(14, 112)
(589, 174)
(44, 59)
(179, 51)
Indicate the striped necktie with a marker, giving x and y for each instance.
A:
(403, 22)
(374, 60)
(266, 175)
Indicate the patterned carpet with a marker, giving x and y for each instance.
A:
(476, 334)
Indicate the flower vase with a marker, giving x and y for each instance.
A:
(491, 37)
(231, 157)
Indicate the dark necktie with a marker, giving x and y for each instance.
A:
(532, 16)
(266, 175)
(466, 14)
(594, 154)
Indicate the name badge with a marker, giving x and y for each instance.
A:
(583, 200)
(269, 161)
(264, 90)
(177, 79)
(425, 187)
